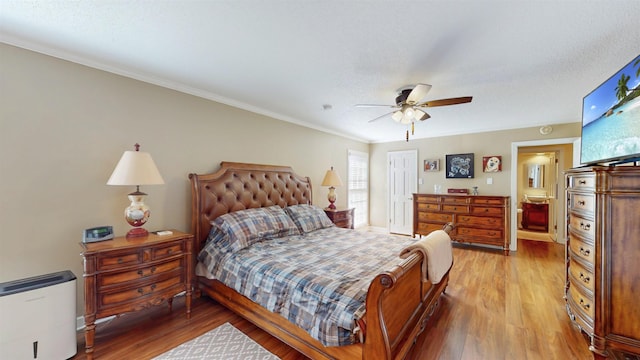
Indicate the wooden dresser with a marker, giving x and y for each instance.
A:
(341, 217)
(603, 256)
(123, 275)
(478, 219)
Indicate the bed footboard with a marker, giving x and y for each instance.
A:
(399, 306)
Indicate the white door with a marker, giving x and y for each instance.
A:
(403, 183)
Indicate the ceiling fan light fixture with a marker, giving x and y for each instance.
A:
(409, 113)
(420, 115)
(397, 116)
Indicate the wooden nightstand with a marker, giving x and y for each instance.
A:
(124, 275)
(341, 217)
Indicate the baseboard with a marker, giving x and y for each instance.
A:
(80, 321)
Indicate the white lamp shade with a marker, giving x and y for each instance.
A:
(331, 178)
(135, 168)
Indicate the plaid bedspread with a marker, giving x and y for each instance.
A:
(317, 280)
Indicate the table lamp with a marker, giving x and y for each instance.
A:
(332, 179)
(136, 168)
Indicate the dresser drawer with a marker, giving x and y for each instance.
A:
(581, 248)
(428, 206)
(475, 232)
(583, 182)
(460, 209)
(149, 289)
(580, 274)
(487, 201)
(582, 202)
(111, 278)
(455, 200)
(426, 228)
(584, 226)
(425, 198)
(582, 302)
(477, 210)
(480, 220)
(440, 217)
(342, 216)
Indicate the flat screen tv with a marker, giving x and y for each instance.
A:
(611, 119)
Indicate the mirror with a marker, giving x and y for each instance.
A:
(535, 174)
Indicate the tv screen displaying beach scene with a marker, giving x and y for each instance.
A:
(611, 118)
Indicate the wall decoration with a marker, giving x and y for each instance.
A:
(459, 166)
(432, 165)
(492, 163)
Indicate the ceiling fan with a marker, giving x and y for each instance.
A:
(409, 106)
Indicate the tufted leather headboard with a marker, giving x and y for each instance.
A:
(238, 186)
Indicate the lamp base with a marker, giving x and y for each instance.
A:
(137, 232)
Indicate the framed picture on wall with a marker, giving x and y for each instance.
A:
(432, 165)
(459, 166)
(492, 163)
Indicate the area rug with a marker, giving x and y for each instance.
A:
(224, 342)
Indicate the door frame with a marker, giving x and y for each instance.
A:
(515, 146)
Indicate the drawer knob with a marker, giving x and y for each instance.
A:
(140, 290)
(153, 269)
(582, 182)
(584, 226)
(582, 202)
(120, 260)
(584, 252)
(584, 278)
(140, 272)
(584, 304)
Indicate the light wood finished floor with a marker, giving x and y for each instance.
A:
(496, 307)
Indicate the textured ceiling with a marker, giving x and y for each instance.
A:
(526, 63)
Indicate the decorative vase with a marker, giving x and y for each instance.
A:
(475, 191)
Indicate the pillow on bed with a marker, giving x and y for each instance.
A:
(308, 217)
(245, 227)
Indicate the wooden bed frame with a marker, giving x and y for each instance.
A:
(398, 305)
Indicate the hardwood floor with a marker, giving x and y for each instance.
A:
(495, 307)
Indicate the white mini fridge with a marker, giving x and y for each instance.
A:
(37, 317)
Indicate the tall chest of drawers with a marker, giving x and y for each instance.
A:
(478, 219)
(123, 275)
(602, 288)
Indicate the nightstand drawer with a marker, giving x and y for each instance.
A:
(125, 296)
(112, 278)
(162, 252)
(117, 260)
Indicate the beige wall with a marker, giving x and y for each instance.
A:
(63, 128)
(481, 144)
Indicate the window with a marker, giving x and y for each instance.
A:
(358, 186)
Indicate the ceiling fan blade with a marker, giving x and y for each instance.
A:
(445, 102)
(375, 105)
(418, 93)
(381, 116)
